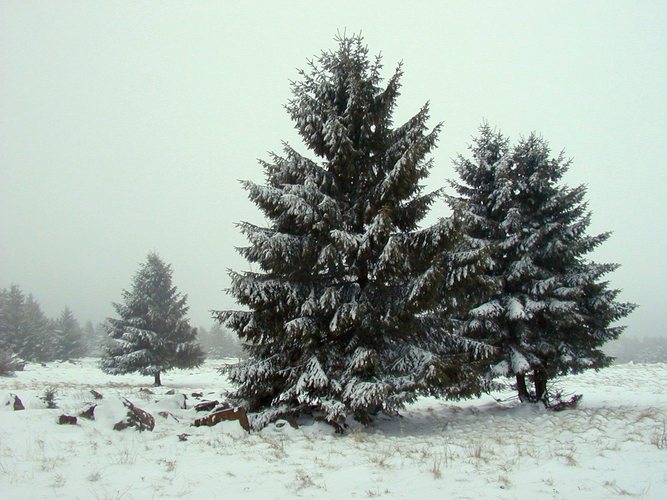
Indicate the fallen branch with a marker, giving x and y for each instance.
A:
(136, 417)
(224, 415)
(206, 405)
(560, 405)
(89, 413)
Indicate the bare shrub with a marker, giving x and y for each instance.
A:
(50, 397)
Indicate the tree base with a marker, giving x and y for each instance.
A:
(551, 401)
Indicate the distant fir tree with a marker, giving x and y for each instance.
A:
(39, 343)
(540, 302)
(89, 337)
(24, 329)
(151, 334)
(94, 338)
(337, 316)
(219, 342)
(229, 346)
(3, 315)
(13, 326)
(4, 324)
(12, 330)
(68, 336)
(6, 352)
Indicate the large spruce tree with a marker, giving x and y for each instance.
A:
(151, 334)
(539, 301)
(338, 314)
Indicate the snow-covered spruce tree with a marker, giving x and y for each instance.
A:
(68, 336)
(24, 329)
(39, 343)
(7, 356)
(13, 326)
(337, 320)
(151, 334)
(6, 349)
(541, 302)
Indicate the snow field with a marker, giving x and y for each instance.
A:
(613, 445)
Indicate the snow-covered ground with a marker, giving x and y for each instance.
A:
(613, 445)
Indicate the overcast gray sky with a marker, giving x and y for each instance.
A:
(124, 126)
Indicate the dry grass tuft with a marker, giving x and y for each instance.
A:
(568, 456)
(435, 470)
(303, 480)
(93, 477)
(659, 437)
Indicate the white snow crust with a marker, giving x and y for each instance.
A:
(613, 445)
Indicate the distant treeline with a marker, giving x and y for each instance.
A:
(27, 333)
(638, 350)
(219, 342)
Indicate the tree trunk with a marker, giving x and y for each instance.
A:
(521, 387)
(540, 379)
(158, 382)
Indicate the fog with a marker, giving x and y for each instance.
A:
(124, 126)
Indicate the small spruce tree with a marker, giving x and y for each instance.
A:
(539, 301)
(338, 316)
(151, 334)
